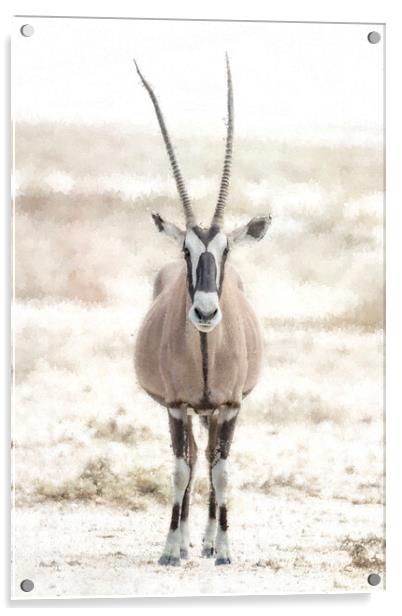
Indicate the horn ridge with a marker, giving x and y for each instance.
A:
(188, 211)
(227, 163)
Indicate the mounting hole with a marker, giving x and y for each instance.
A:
(27, 30)
(374, 37)
(374, 579)
(27, 585)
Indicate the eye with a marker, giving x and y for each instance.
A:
(225, 252)
(186, 252)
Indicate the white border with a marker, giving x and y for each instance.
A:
(378, 11)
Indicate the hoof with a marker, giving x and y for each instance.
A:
(167, 560)
(222, 561)
(184, 553)
(208, 551)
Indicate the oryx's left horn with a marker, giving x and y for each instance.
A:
(227, 164)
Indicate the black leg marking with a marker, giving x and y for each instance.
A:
(223, 522)
(225, 437)
(225, 430)
(174, 523)
(178, 434)
(181, 448)
(212, 503)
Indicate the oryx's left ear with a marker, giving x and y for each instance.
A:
(252, 231)
(169, 228)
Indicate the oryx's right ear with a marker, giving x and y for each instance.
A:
(169, 228)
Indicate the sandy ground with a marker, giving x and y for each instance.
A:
(277, 547)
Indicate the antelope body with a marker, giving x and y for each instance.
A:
(172, 356)
(198, 350)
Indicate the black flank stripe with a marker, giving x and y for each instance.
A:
(204, 354)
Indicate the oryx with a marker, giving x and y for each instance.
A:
(198, 351)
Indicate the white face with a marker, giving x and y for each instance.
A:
(205, 252)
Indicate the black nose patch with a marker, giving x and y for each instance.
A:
(206, 273)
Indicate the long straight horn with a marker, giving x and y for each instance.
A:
(188, 211)
(227, 164)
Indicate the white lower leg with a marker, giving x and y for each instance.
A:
(220, 483)
(222, 546)
(208, 541)
(181, 477)
(171, 551)
(210, 532)
(184, 538)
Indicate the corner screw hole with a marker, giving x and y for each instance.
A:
(374, 37)
(27, 585)
(27, 30)
(374, 579)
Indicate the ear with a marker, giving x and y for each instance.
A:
(169, 228)
(252, 231)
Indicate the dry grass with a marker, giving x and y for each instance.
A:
(97, 482)
(365, 553)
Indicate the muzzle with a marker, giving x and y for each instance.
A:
(205, 312)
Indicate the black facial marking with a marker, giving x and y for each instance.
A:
(206, 235)
(158, 220)
(206, 267)
(190, 283)
(222, 272)
(257, 228)
(206, 273)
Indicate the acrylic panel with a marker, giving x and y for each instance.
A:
(198, 308)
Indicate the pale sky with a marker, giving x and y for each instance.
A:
(289, 80)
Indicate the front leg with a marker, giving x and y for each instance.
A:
(208, 540)
(225, 429)
(181, 478)
(191, 459)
